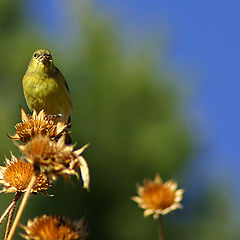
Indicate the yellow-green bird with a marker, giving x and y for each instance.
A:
(45, 87)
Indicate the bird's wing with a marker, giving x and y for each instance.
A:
(62, 77)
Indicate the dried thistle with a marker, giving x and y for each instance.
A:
(55, 228)
(56, 158)
(16, 175)
(38, 124)
(157, 197)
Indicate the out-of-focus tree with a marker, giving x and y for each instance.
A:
(128, 111)
(16, 46)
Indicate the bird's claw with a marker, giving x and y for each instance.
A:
(54, 116)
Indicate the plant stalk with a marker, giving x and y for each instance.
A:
(22, 206)
(10, 217)
(160, 227)
(15, 199)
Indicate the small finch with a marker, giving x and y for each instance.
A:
(45, 87)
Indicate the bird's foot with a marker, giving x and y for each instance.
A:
(55, 116)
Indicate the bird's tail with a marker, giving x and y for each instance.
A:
(69, 122)
(68, 139)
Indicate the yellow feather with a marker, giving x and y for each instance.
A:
(45, 87)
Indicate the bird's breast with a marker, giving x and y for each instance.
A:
(43, 92)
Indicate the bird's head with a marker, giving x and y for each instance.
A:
(42, 60)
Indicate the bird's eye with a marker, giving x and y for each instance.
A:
(36, 55)
(49, 57)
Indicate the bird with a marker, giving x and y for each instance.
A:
(45, 87)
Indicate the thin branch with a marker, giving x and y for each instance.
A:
(22, 206)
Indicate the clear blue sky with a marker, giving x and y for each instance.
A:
(203, 39)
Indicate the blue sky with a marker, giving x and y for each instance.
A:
(202, 41)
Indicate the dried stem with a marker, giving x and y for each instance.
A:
(160, 227)
(10, 217)
(16, 197)
(22, 206)
(6, 212)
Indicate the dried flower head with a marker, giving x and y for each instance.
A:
(54, 228)
(16, 175)
(38, 124)
(56, 158)
(157, 197)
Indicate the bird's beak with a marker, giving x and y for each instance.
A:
(44, 60)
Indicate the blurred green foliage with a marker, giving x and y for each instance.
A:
(126, 109)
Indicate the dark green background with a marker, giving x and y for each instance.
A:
(132, 110)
